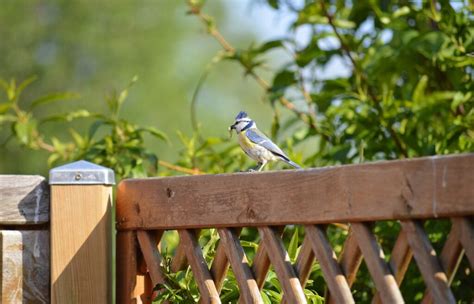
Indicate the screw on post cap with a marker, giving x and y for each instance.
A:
(81, 173)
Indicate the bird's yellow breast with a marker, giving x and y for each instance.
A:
(244, 142)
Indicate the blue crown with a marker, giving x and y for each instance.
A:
(241, 115)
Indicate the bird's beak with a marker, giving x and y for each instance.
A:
(232, 127)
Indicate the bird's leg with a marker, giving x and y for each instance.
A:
(257, 167)
(262, 164)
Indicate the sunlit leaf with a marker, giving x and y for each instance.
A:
(54, 97)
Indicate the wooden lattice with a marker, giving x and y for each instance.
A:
(407, 191)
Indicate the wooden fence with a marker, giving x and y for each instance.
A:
(56, 239)
(24, 239)
(409, 191)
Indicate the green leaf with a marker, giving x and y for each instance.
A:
(4, 107)
(344, 24)
(419, 92)
(24, 130)
(78, 139)
(270, 45)
(68, 117)
(283, 79)
(274, 4)
(155, 132)
(24, 84)
(293, 246)
(7, 118)
(402, 11)
(53, 98)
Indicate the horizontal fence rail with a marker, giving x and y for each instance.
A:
(350, 198)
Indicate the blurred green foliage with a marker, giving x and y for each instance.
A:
(408, 92)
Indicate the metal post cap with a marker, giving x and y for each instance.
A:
(81, 173)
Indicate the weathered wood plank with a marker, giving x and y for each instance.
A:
(418, 188)
(327, 259)
(249, 291)
(290, 284)
(24, 266)
(24, 199)
(428, 263)
(379, 270)
(201, 273)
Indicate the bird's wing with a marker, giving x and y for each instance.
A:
(256, 136)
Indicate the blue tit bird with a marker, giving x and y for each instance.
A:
(255, 144)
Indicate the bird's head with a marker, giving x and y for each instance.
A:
(242, 122)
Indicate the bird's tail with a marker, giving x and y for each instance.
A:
(292, 163)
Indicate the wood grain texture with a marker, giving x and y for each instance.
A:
(466, 236)
(24, 199)
(219, 267)
(152, 256)
(428, 263)
(126, 262)
(399, 261)
(201, 273)
(280, 260)
(261, 261)
(375, 260)
(24, 266)
(220, 264)
(418, 188)
(304, 262)
(450, 258)
(350, 260)
(249, 291)
(327, 259)
(81, 251)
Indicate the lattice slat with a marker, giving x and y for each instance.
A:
(249, 291)
(399, 261)
(201, 273)
(327, 259)
(350, 260)
(219, 267)
(152, 256)
(450, 258)
(147, 296)
(466, 236)
(379, 270)
(261, 261)
(281, 262)
(428, 263)
(179, 261)
(304, 263)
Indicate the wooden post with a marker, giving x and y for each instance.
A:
(81, 233)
